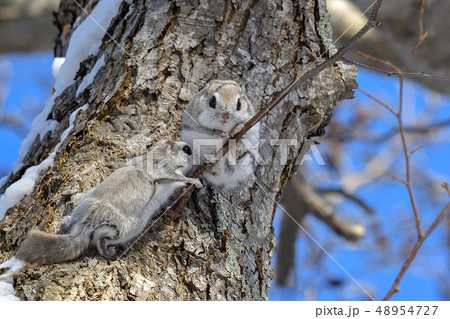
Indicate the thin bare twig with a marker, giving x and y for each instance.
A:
(414, 51)
(370, 96)
(417, 130)
(422, 10)
(398, 115)
(394, 288)
(381, 61)
(414, 150)
(407, 155)
(422, 36)
(371, 23)
(390, 73)
(446, 187)
(408, 183)
(401, 181)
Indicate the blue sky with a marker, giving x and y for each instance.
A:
(25, 90)
(29, 83)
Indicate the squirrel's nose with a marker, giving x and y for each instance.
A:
(225, 116)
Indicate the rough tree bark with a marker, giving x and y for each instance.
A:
(222, 246)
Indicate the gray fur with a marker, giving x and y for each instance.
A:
(117, 210)
(201, 121)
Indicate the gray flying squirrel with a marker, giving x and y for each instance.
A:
(118, 209)
(215, 114)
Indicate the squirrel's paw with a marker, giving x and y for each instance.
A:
(237, 129)
(209, 159)
(195, 181)
(220, 134)
(107, 251)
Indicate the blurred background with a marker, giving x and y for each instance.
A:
(345, 195)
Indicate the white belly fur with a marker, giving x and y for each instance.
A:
(160, 197)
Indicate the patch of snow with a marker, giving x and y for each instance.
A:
(15, 192)
(39, 127)
(13, 265)
(85, 40)
(7, 292)
(89, 78)
(24, 186)
(57, 62)
(71, 122)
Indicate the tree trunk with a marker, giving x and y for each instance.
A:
(221, 247)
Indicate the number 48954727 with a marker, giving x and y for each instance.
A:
(403, 310)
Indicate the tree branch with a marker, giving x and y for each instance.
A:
(407, 155)
(390, 73)
(394, 288)
(359, 201)
(324, 211)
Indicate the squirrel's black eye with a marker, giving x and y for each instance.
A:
(238, 105)
(187, 150)
(212, 102)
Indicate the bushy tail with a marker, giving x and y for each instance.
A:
(48, 248)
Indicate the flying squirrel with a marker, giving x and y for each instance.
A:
(215, 114)
(118, 209)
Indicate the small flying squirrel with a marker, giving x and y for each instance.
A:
(118, 209)
(216, 113)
